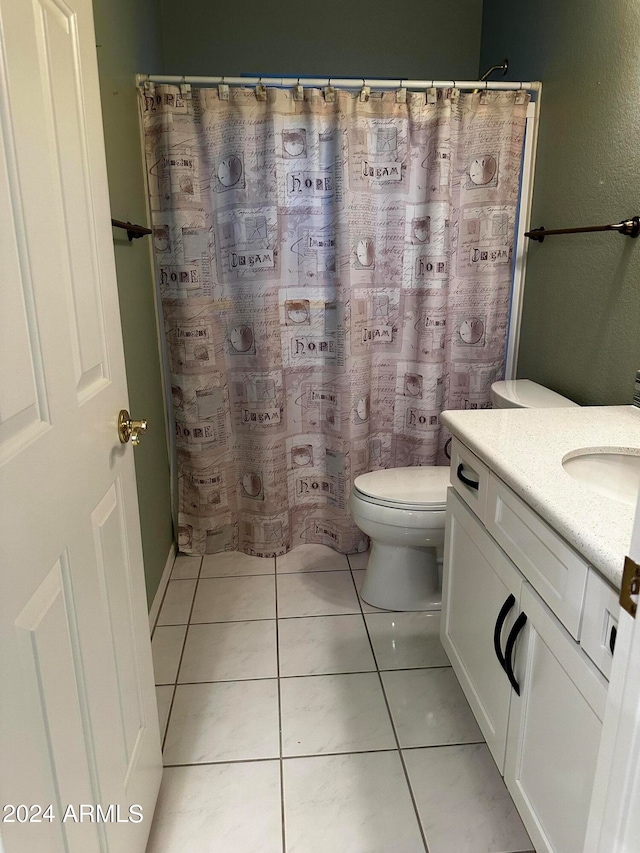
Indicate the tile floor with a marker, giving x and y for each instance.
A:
(298, 719)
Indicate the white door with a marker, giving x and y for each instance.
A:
(614, 818)
(78, 721)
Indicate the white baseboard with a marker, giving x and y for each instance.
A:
(164, 580)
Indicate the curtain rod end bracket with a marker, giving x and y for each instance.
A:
(536, 234)
(630, 227)
(133, 235)
(133, 231)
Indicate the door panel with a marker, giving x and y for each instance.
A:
(114, 569)
(49, 660)
(61, 73)
(23, 396)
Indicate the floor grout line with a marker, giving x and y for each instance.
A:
(164, 595)
(393, 726)
(220, 763)
(292, 618)
(237, 577)
(303, 675)
(282, 812)
(184, 645)
(323, 754)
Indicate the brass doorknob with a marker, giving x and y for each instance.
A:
(129, 429)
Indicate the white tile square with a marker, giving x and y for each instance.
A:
(358, 577)
(185, 567)
(358, 803)
(234, 563)
(462, 800)
(316, 594)
(177, 603)
(227, 721)
(429, 708)
(223, 807)
(358, 562)
(406, 640)
(324, 644)
(334, 713)
(166, 648)
(312, 558)
(234, 599)
(230, 651)
(164, 695)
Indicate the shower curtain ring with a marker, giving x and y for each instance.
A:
(520, 95)
(261, 91)
(185, 88)
(329, 93)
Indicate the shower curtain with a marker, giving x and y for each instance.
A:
(334, 271)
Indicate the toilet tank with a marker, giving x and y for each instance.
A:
(525, 394)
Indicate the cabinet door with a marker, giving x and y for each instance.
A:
(554, 731)
(478, 579)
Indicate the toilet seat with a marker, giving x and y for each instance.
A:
(414, 488)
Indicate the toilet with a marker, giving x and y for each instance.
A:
(525, 394)
(402, 511)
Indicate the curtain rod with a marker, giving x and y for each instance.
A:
(339, 82)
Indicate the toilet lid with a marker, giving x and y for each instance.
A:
(411, 487)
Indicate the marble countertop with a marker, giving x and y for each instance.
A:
(525, 448)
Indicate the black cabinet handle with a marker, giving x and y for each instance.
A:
(612, 638)
(471, 483)
(497, 631)
(508, 652)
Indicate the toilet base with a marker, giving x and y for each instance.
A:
(402, 578)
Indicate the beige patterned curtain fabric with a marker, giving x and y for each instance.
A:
(333, 275)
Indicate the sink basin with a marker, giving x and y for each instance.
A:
(612, 472)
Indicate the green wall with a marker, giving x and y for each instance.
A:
(128, 37)
(580, 329)
(408, 38)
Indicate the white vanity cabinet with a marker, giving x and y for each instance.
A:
(502, 638)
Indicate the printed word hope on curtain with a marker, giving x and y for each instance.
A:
(333, 274)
